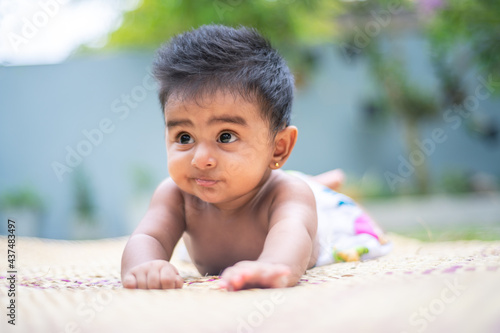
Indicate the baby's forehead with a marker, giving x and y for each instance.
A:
(220, 99)
(208, 96)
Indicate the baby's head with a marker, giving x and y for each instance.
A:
(226, 98)
(217, 58)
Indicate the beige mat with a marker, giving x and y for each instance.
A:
(69, 286)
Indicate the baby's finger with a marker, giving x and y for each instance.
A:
(231, 279)
(129, 281)
(153, 279)
(237, 282)
(167, 278)
(223, 284)
(280, 277)
(279, 281)
(142, 280)
(179, 282)
(268, 277)
(226, 275)
(256, 279)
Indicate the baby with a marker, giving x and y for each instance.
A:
(227, 97)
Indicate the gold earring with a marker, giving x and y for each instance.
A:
(277, 165)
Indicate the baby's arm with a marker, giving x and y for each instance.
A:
(288, 247)
(145, 258)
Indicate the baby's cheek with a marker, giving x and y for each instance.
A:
(176, 168)
(243, 164)
(234, 167)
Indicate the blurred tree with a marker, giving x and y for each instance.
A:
(84, 205)
(473, 23)
(399, 92)
(465, 36)
(22, 198)
(458, 31)
(410, 102)
(291, 25)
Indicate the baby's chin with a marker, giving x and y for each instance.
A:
(204, 196)
(219, 194)
(220, 201)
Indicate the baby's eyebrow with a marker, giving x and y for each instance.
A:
(228, 119)
(179, 122)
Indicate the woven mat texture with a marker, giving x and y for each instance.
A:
(74, 286)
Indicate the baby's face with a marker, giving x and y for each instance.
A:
(219, 150)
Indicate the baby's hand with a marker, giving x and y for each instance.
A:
(155, 274)
(254, 274)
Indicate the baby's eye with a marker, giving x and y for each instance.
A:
(185, 139)
(227, 137)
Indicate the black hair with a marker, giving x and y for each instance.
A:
(216, 57)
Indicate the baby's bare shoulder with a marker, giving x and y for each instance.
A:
(168, 191)
(164, 219)
(289, 188)
(167, 200)
(294, 203)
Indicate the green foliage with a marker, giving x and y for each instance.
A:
(475, 23)
(142, 179)
(398, 91)
(83, 197)
(292, 26)
(366, 8)
(406, 98)
(282, 21)
(445, 234)
(22, 198)
(386, 62)
(455, 181)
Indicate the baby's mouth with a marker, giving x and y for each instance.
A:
(205, 182)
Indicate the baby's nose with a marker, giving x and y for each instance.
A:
(203, 157)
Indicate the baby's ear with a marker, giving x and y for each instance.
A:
(283, 146)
